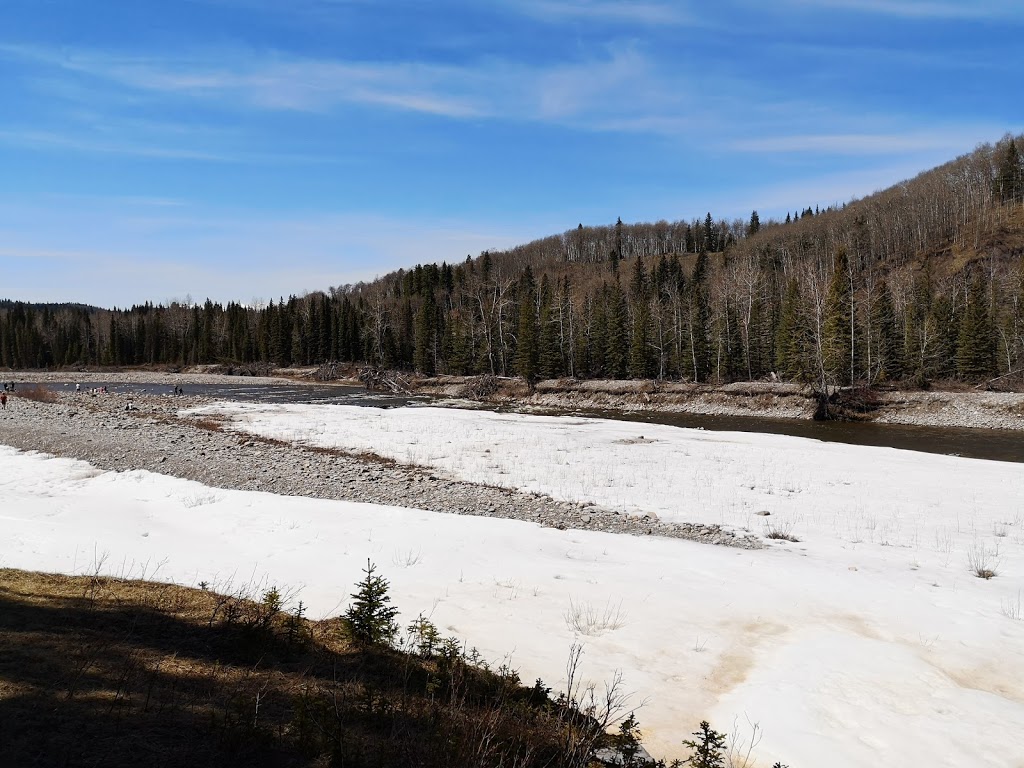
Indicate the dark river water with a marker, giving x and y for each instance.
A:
(999, 445)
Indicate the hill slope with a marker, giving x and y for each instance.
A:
(921, 281)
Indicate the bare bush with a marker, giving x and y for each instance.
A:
(594, 621)
(782, 531)
(1011, 608)
(982, 561)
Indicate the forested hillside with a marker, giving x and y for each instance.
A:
(921, 281)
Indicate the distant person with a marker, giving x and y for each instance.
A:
(3, 400)
(78, 387)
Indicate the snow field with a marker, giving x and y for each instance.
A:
(869, 638)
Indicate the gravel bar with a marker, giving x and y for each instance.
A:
(152, 436)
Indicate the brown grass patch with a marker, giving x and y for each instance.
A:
(100, 671)
(36, 392)
(208, 423)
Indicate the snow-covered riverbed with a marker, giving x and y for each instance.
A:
(868, 639)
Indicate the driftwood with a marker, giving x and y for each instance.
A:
(328, 371)
(376, 378)
(481, 387)
(249, 369)
(988, 384)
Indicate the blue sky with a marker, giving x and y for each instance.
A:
(247, 149)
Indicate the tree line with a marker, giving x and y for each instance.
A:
(921, 281)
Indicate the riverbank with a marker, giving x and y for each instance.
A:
(965, 408)
(774, 400)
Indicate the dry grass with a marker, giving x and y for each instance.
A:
(209, 424)
(36, 392)
(781, 531)
(982, 561)
(100, 671)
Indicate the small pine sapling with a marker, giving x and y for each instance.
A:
(708, 748)
(627, 743)
(295, 626)
(424, 636)
(371, 617)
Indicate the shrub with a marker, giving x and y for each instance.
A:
(37, 392)
(983, 561)
(780, 531)
(594, 621)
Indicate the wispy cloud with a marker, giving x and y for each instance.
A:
(72, 140)
(47, 140)
(597, 86)
(621, 11)
(923, 9)
(272, 81)
(865, 143)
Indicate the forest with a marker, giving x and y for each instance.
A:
(920, 282)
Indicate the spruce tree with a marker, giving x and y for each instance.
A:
(708, 748)
(790, 336)
(616, 255)
(698, 321)
(597, 338)
(974, 348)
(755, 224)
(616, 341)
(371, 617)
(710, 234)
(945, 321)
(1008, 185)
(888, 362)
(549, 355)
(426, 334)
(526, 328)
(640, 345)
(837, 332)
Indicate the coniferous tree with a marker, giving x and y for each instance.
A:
(597, 338)
(837, 344)
(371, 617)
(888, 362)
(710, 234)
(617, 340)
(946, 320)
(755, 224)
(640, 345)
(549, 356)
(708, 748)
(698, 321)
(526, 328)
(974, 348)
(791, 336)
(1008, 185)
(426, 333)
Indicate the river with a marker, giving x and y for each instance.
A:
(993, 444)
